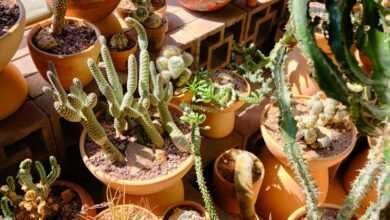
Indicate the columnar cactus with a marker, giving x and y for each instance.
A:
(59, 11)
(77, 106)
(35, 202)
(173, 64)
(119, 41)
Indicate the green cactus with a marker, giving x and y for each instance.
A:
(194, 120)
(119, 41)
(59, 11)
(77, 106)
(145, 14)
(6, 210)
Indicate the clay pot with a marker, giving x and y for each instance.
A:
(160, 9)
(120, 58)
(157, 35)
(124, 210)
(299, 213)
(109, 25)
(225, 192)
(86, 200)
(185, 97)
(67, 66)
(222, 123)
(203, 5)
(9, 42)
(13, 90)
(190, 204)
(90, 10)
(251, 3)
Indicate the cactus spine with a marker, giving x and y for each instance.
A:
(59, 11)
(77, 106)
(119, 41)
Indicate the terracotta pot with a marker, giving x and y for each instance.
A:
(162, 10)
(90, 10)
(299, 213)
(68, 66)
(225, 192)
(126, 210)
(185, 97)
(222, 123)
(120, 58)
(203, 5)
(9, 42)
(109, 25)
(157, 35)
(195, 206)
(126, 7)
(156, 202)
(86, 200)
(137, 187)
(251, 3)
(13, 90)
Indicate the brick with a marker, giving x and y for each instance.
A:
(23, 49)
(21, 151)
(173, 6)
(180, 18)
(219, 55)
(35, 84)
(25, 65)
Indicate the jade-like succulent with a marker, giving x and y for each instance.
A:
(119, 41)
(174, 65)
(145, 14)
(35, 203)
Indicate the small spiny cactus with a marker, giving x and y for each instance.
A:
(119, 41)
(144, 13)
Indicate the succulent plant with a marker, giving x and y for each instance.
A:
(174, 65)
(119, 41)
(145, 14)
(36, 202)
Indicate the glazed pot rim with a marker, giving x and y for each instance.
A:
(101, 175)
(196, 206)
(102, 213)
(342, 154)
(302, 210)
(48, 22)
(21, 18)
(219, 175)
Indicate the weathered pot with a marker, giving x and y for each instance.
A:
(156, 36)
(204, 5)
(186, 203)
(120, 58)
(9, 42)
(67, 66)
(185, 97)
(13, 90)
(124, 210)
(224, 191)
(90, 10)
(86, 199)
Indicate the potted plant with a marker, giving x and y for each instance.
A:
(237, 178)
(47, 199)
(145, 151)
(204, 5)
(13, 86)
(126, 212)
(54, 40)
(121, 46)
(329, 212)
(218, 95)
(186, 210)
(155, 24)
(174, 66)
(90, 10)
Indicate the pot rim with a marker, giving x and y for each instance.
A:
(198, 207)
(302, 210)
(21, 19)
(100, 215)
(48, 22)
(343, 154)
(219, 175)
(164, 25)
(101, 175)
(90, 3)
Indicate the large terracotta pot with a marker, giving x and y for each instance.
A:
(91, 10)
(86, 200)
(109, 25)
(221, 123)
(67, 66)
(225, 192)
(204, 5)
(9, 42)
(156, 36)
(124, 210)
(185, 97)
(13, 90)
(182, 204)
(301, 212)
(120, 58)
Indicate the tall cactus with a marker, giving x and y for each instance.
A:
(77, 106)
(6, 210)
(59, 11)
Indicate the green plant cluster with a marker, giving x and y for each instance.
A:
(145, 14)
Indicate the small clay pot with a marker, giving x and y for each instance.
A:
(120, 58)
(157, 35)
(224, 190)
(90, 10)
(124, 210)
(185, 97)
(86, 199)
(67, 66)
(203, 5)
(160, 8)
(13, 90)
(109, 25)
(301, 212)
(186, 203)
(9, 42)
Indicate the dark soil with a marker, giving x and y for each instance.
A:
(9, 15)
(68, 210)
(74, 38)
(196, 214)
(223, 77)
(136, 134)
(340, 135)
(329, 214)
(226, 169)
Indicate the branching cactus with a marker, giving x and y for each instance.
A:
(35, 203)
(194, 120)
(145, 14)
(119, 41)
(173, 64)
(77, 106)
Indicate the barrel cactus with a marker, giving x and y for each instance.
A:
(145, 14)
(119, 41)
